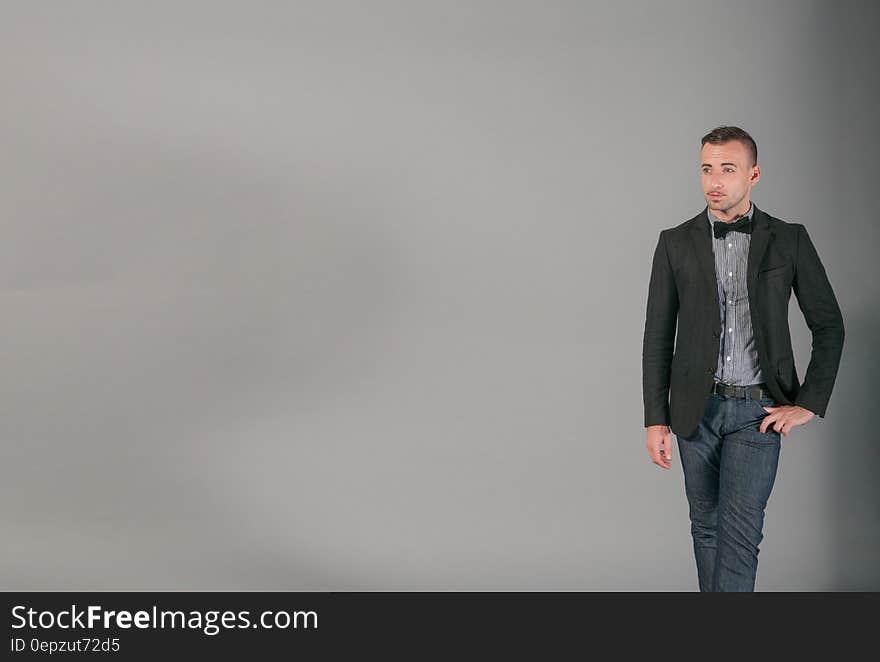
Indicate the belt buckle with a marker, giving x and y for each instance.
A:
(732, 390)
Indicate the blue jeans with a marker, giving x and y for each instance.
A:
(729, 469)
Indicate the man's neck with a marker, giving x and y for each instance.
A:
(733, 213)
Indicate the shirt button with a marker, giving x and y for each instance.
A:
(730, 245)
(728, 358)
(730, 330)
(729, 273)
(730, 302)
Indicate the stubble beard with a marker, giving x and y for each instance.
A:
(723, 205)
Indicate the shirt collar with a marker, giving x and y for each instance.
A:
(712, 217)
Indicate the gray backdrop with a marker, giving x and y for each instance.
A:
(351, 296)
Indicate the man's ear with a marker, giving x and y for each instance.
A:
(755, 176)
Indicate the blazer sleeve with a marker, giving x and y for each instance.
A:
(661, 317)
(822, 314)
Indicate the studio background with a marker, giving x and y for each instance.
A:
(350, 296)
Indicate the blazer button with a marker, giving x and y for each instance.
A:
(710, 370)
(717, 334)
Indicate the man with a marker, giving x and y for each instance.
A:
(729, 388)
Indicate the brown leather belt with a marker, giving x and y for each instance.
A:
(754, 391)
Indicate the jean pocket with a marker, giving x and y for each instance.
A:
(765, 402)
(759, 405)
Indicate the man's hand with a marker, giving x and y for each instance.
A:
(659, 443)
(785, 417)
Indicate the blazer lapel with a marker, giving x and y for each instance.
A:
(701, 237)
(757, 247)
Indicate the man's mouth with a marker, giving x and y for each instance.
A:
(716, 195)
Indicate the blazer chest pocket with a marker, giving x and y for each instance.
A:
(773, 271)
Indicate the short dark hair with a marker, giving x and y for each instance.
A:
(723, 134)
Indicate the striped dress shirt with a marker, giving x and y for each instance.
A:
(737, 356)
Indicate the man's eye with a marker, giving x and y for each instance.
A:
(728, 170)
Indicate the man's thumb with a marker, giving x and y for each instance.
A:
(667, 444)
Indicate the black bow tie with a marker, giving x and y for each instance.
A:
(742, 224)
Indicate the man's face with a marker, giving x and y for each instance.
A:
(727, 175)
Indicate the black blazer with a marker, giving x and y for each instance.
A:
(683, 290)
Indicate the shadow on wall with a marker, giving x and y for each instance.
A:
(855, 482)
